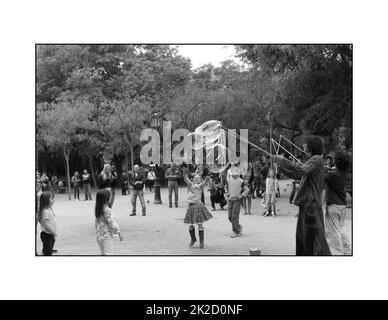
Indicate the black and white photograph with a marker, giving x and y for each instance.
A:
(193, 159)
(194, 149)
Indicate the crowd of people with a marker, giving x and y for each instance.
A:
(318, 232)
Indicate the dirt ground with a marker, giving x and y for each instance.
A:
(162, 231)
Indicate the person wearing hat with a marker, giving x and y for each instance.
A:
(106, 180)
(137, 181)
(236, 189)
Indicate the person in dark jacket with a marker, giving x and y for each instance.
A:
(106, 180)
(137, 182)
(335, 182)
(217, 192)
(310, 230)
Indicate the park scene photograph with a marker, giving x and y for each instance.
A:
(193, 149)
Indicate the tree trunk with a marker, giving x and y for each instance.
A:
(132, 160)
(66, 152)
(126, 161)
(92, 170)
(270, 140)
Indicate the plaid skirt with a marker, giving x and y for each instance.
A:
(197, 213)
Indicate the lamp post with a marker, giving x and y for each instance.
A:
(155, 123)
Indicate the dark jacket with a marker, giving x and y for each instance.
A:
(335, 182)
(105, 183)
(137, 177)
(86, 180)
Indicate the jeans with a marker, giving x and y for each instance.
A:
(247, 204)
(106, 247)
(234, 215)
(124, 189)
(88, 195)
(173, 186)
(76, 192)
(48, 243)
(140, 194)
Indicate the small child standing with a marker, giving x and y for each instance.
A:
(46, 218)
(236, 189)
(106, 226)
(247, 200)
(76, 184)
(271, 187)
(196, 213)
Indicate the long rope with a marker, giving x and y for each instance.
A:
(287, 151)
(274, 146)
(292, 144)
(252, 144)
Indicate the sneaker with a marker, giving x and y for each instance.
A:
(143, 214)
(170, 205)
(133, 214)
(235, 235)
(250, 213)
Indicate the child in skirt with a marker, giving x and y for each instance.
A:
(196, 213)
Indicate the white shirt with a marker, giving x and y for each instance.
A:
(151, 175)
(49, 217)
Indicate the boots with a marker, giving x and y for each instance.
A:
(192, 235)
(201, 238)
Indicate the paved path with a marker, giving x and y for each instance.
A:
(162, 231)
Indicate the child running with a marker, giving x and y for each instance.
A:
(106, 227)
(271, 187)
(46, 218)
(196, 213)
(236, 189)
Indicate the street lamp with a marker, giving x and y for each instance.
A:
(155, 123)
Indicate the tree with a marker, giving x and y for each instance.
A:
(61, 126)
(123, 124)
(309, 85)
